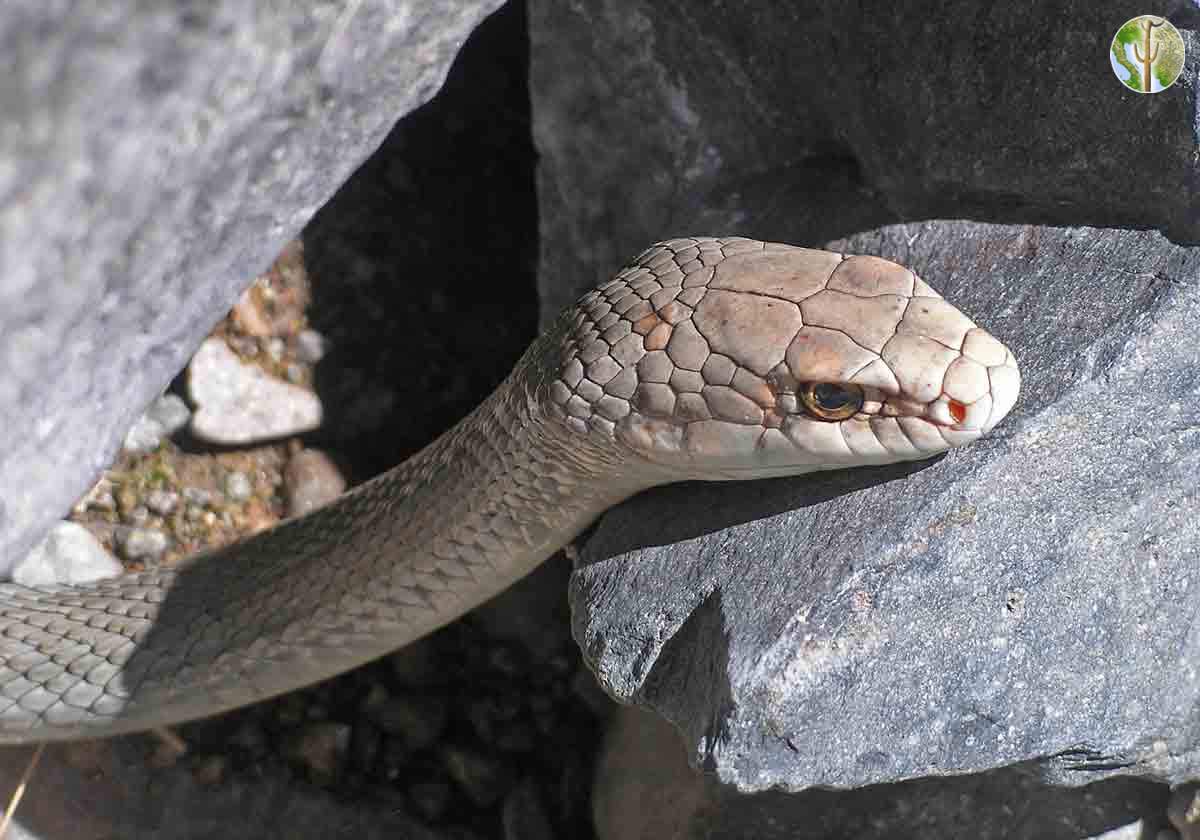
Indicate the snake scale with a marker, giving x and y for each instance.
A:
(703, 358)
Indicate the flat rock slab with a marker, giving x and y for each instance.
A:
(156, 158)
(1030, 598)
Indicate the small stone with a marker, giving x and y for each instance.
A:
(294, 373)
(100, 497)
(417, 665)
(251, 740)
(127, 499)
(524, 816)
(490, 714)
(238, 487)
(248, 314)
(68, 554)
(290, 709)
(275, 348)
(167, 752)
(243, 345)
(165, 416)
(142, 543)
(418, 720)
(311, 480)
(311, 346)
(210, 770)
(483, 779)
(430, 799)
(197, 496)
(139, 515)
(239, 403)
(365, 745)
(507, 660)
(321, 748)
(162, 502)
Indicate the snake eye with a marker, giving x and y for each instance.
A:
(829, 401)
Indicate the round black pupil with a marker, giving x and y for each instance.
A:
(831, 397)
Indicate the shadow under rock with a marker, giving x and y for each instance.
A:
(691, 509)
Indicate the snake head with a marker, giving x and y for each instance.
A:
(732, 358)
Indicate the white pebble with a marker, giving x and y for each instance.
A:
(239, 403)
(68, 554)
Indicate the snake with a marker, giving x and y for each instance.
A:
(703, 358)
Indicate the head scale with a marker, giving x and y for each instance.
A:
(732, 358)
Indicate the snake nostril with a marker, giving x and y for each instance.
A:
(958, 411)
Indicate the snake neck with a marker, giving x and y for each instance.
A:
(381, 566)
(505, 488)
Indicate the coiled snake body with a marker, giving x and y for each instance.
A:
(702, 359)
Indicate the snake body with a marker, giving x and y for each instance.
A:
(702, 359)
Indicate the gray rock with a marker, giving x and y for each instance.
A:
(1029, 598)
(238, 487)
(159, 157)
(483, 779)
(310, 346)
(743, 126)
(68, 554)
(198, 496)
(275, 348)
(321, 747)
(645, 790)
(728, 121)
(418, 720)
(165, 416)
(145, 544)
(162, 502)
(311, 479)
(100, 497)
(237, 403)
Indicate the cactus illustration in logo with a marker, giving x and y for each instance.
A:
(1147, 54)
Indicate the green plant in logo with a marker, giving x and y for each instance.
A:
(1147, 54)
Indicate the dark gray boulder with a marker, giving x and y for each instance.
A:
(1027, 602)
(809, 121)
(155, 158)
(1029, 598)
(644, 791)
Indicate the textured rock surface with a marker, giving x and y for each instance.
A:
(158, 158)
(1029, 598)
(818, 119)
(645, 791)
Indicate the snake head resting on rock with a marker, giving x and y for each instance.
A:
(703, 359)
(734, 359)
